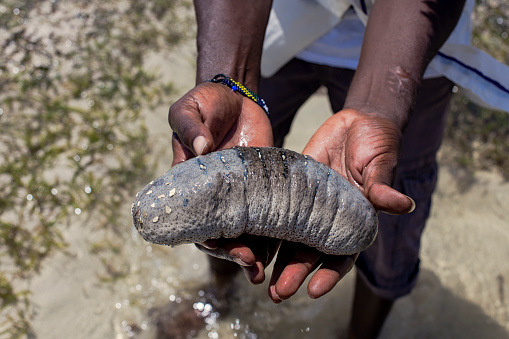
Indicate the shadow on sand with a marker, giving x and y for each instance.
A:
(432, 311)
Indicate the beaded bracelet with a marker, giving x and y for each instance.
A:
(239, 88)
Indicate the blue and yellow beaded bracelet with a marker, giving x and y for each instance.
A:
(239, 88)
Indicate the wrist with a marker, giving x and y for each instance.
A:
(246, 72)
(241, 89)
(390, 93)
(230, 39)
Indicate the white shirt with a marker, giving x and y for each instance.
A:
(341, 46)
(330, 32)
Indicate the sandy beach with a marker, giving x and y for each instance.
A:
(462, 291)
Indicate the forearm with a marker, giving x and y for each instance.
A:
(402, 36)
(230, 39)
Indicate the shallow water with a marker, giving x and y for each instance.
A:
(168, 281)
(461, 292)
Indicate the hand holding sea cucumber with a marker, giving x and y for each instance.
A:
(211, 117)
(201, 127)
(364, 149)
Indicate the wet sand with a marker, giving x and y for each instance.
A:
(461, 292)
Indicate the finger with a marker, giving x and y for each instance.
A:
(187, 122)
(378, 177)
(291, 270)
(255, 273)
(264, 249)
(180, 152)
(210, 244)
(276, 273)
(388, 200)
(229, 250)
(284, 256)
(252, 253)
(333, 269)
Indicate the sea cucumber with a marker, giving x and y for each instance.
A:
(263, 191)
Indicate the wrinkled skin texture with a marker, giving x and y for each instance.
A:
(265, 191)
(363, 147)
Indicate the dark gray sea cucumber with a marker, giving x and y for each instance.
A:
(263, 191)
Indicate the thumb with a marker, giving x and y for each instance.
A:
(388, 200)
(180, 152)
(186, 121)
(378, 177)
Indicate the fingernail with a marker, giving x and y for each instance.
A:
(199, 144)
(273, 292)
(413, 204)
(210, 244)
(241, 262)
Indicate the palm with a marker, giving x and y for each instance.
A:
(364, 149)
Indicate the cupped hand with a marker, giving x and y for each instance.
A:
(364, 149)
(211, 117)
